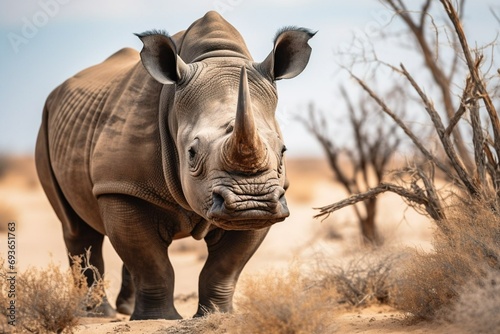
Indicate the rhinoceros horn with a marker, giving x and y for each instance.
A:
(244, 150)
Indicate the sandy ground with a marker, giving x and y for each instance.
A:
(299, 238)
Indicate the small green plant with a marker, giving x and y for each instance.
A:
(49, 300)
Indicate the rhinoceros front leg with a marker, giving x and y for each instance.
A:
(134, 229)
(228, 252)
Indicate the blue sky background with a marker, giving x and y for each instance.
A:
(70, 35)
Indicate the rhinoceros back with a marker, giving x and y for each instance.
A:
(102, 134)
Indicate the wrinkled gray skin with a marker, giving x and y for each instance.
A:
(181, 142)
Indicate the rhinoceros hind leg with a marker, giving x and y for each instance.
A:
(126, 298)
(80, 237)
(228, 252)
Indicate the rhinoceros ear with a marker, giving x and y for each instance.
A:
(159, 57)
(290, 54)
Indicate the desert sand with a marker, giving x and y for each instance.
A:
(299, 238)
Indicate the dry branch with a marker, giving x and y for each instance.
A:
(473, 66)
(474, 72)
(412, 196)
(461, 109)
(478, 142)
(445, 140)
(416, 141)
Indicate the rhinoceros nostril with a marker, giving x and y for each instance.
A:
(282, 201)
(217, 200)
(276, 197)
(279, 193)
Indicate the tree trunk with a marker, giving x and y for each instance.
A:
(368, 227)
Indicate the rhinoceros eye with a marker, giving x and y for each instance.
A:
(230, 127)
(283, 150)
(195, 157)
(192, 153)
(193, 150)
(281, 160)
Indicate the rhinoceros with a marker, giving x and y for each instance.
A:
(179, 140)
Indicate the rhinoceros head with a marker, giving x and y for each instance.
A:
(221, 116)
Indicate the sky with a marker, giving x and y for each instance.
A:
(44, 42)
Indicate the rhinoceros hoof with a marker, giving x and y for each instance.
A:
(173, 315)
(125, 307)
(104, 310)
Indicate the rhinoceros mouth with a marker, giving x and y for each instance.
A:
(233, 211)
(244, 224)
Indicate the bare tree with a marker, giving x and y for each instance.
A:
(482, 181)
(442, 72)
(362, 165)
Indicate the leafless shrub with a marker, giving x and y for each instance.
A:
(285, 303)
(366, 280)
(476, 310)
(431, 283)
(428, 283)
(49, 300)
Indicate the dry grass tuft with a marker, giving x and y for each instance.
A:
(428, 283)
(477, 308)
(284, 303)
(49, 300)
(467, 246)
(367, 279)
